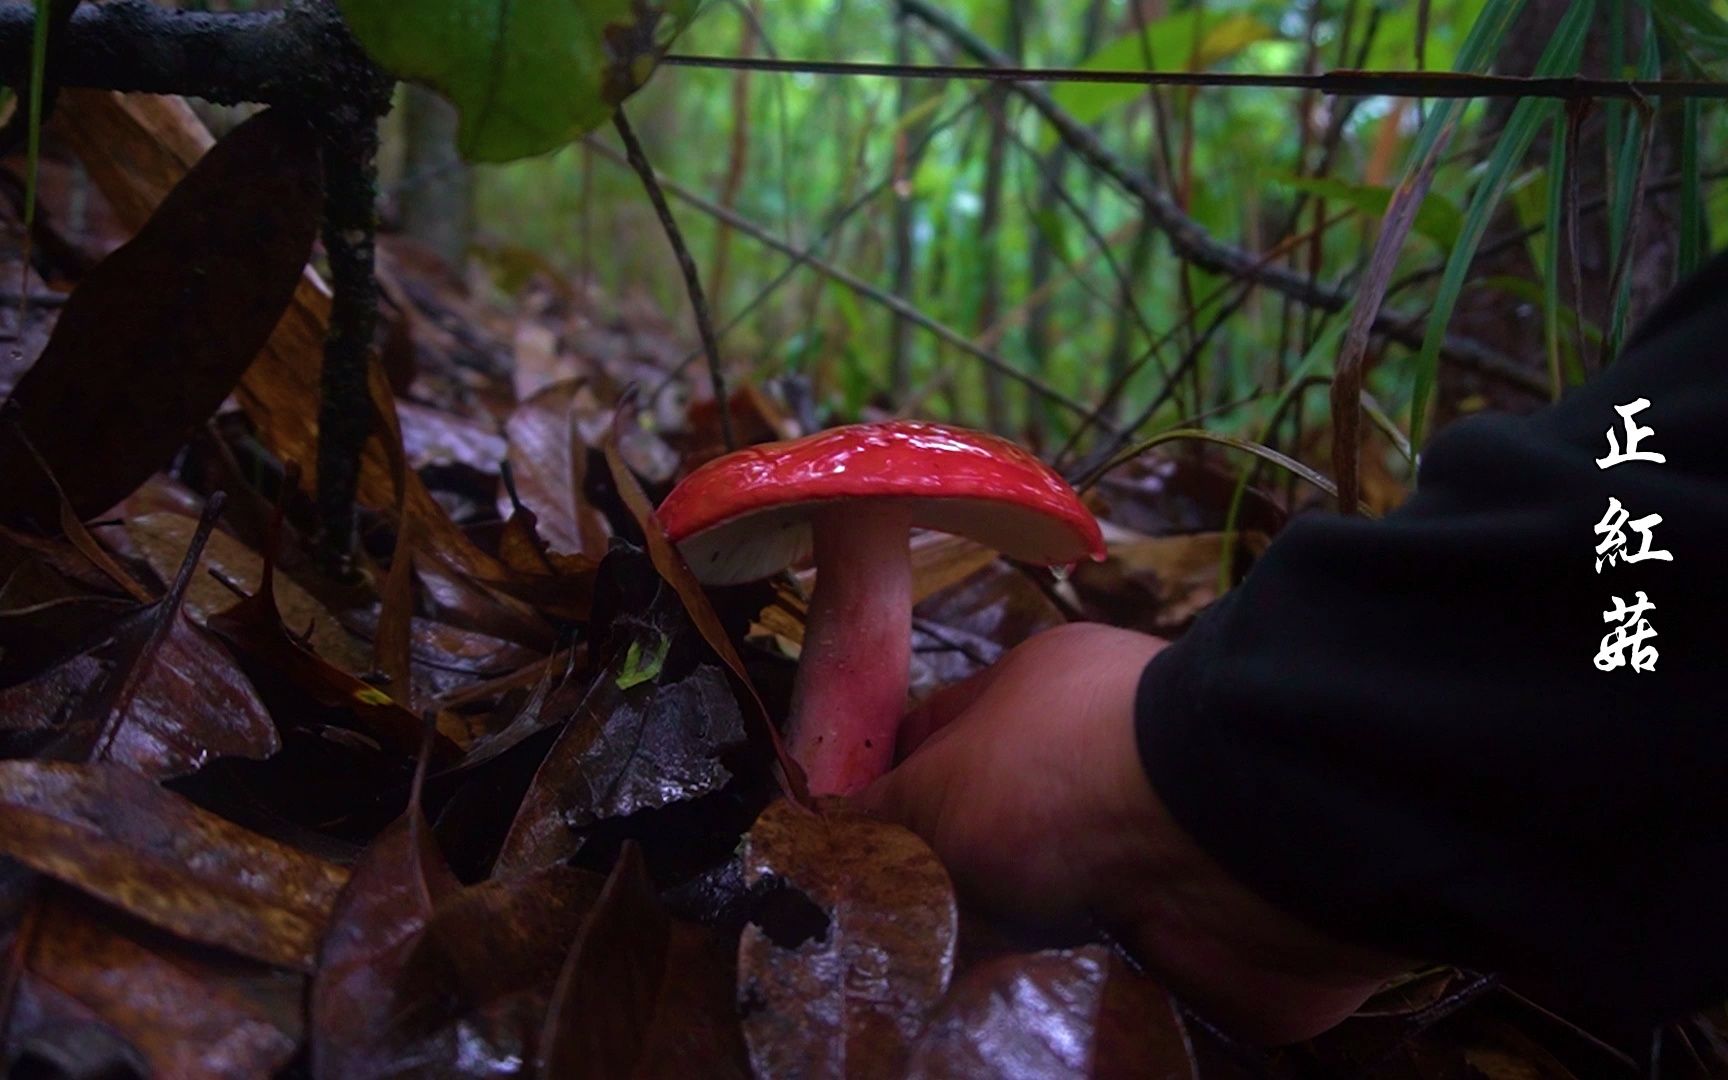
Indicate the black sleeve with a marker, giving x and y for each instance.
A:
(1401, 729)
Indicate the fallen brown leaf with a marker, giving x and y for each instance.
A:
(190, 300)
(116, 835)
(180, 1018)
(850, 998)
(641, 995)
(1076, 1013)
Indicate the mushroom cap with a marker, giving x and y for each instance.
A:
(747, 515)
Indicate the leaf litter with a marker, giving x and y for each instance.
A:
(514, 803)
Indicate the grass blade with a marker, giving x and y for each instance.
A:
(1561, 57)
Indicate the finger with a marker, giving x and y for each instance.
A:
(940, 709)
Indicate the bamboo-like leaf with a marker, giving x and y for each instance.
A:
(1630, 161)
(38, 70)
(1561, 57)
(1557, 165)
(1691, 195)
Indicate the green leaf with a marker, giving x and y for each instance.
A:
(1173, 46)
(38, 66)
(639, 666)
(1560, 57)
(528, 75)
(1439, 219)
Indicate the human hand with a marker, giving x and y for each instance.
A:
(1027, 781)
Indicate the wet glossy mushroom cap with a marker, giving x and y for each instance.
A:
(746, 516)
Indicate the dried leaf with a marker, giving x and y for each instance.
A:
(641, 995)
(850, 998)
(649, 731)
(549, 461)
(1068, 1013)
(161, 538)
(114, 834)
(190, 300)
(136, 148)
(182, 1019)
(376, 921)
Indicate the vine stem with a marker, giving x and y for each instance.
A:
(692, 278)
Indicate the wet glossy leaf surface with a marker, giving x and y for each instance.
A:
(110, 832)
(641, 994)
(181, 1016)
(233, 237)
(1071, 1013)
(219, 858)
(638, 739)
(845, 989)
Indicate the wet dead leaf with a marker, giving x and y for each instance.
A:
(136, 148)
(161, 538)
(1159, 583)
(255, 629)
(549, 460)
(191, 300)
(376, 920)
(1076, 1013)
(470, 994)
(181, 1018)
(672, 567)
(651, 729)
(641, 995)
(160, 696)
(846, 990)
(116, 835)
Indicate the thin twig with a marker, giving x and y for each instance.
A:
(692, 279)
(1414, 84)
(1191, 240)
(863, 288)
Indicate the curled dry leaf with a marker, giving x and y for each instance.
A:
(116, 835)
(641, 995)
(191, 299)
(161, 538)
(549, 462)
(254, 627)
(178, 1015)
(1074, 1013)
(846, 989)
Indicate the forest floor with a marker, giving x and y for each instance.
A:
(502, 801)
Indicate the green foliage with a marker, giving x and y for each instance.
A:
(528, 75)
(38, 66)
(1559, 58)
(1439, 219)
(812, 146)
(1185, 41)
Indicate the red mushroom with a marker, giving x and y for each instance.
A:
(853, 495)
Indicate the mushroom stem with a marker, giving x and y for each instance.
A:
(851, 686)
